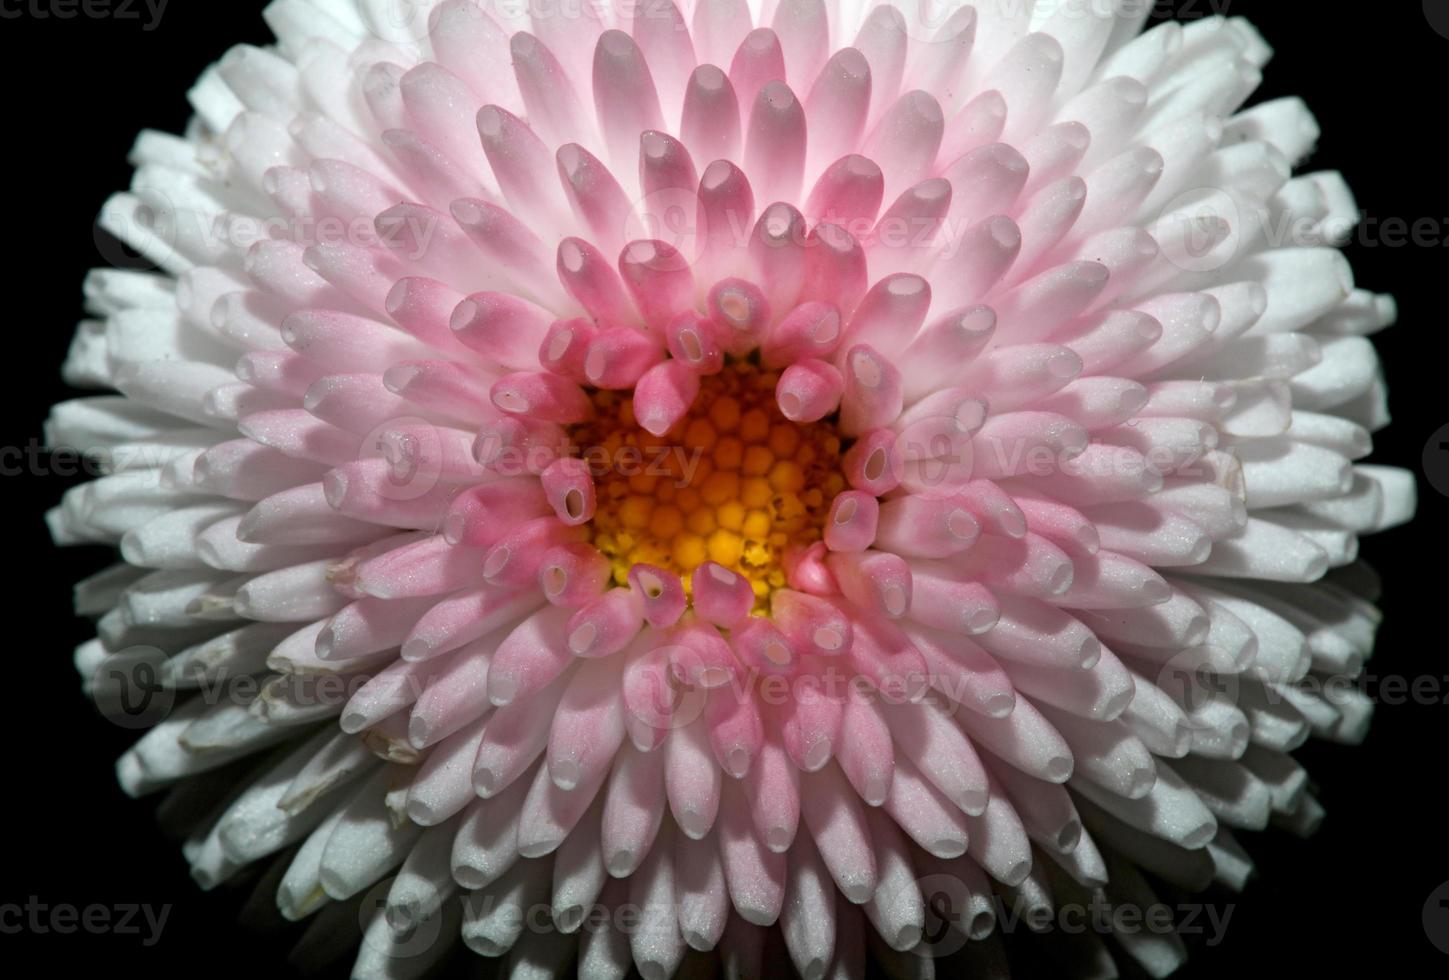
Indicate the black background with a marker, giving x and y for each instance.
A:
(74, 94)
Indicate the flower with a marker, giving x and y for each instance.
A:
(857, 466)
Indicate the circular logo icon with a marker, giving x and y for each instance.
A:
(925, 21)
(673, 702)
(1200, 230)
(413, 450)
(397, 930)
(1436, 460)
(398, 21)
(670, 216)
(946, 927)
(1437, 12)
(936, 453)
(128, 690)
(1192, 685)
(1436, 918)
(133, 231)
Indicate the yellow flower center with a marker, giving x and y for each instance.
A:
(733, 482)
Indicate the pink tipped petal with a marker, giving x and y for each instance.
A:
(664, 395)
(659, 281)
(661, 592)
(588, 727)
(778, 251)
(906, 140)
(736, 733)
(848, 193)
(775, 142)
(809, 390)
(836, 108)
(617, 357)
(695, 340)
(710, 122)
(569, 488)
(851, 524)
(594, 195)
(811, 624)
(726, 206)
(518, 445)
(975, 260)
(810, 330)
(926, 527)
(890, 314)
(740, 312)
(875, 463)
(866, 753)
(565, 345)
(634, 805)
(721, 596)
(933, 353)
(516, 557)
(756, 61)
(651, 692)
(530, 657)
(624, 96)
(591, 280)
(944, 597)
(572, 574)
(772, 788)
(810, 724)
(481, 515)
(874, 580)
(836, 818)
(754, 873)
(760, 646)
(541, 395)
(520, 163)
(692, 779)
(835, 267)
(606, 625)
(872, 398)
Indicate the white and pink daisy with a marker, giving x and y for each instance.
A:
(754, 467)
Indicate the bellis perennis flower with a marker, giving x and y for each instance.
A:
(790, 473)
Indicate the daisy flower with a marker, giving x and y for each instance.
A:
(606, 484)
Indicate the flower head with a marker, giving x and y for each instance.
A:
(753, 468)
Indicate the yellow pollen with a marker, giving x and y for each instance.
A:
(733, 482)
